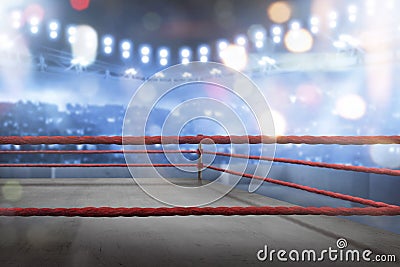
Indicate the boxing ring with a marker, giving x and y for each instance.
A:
(223, 224)
(374, 209)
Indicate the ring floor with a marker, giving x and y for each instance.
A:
(167, 241)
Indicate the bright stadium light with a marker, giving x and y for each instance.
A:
(185, 61)
(34, 21)
(126, 54)
(71, 30)
(108, 50)
(34, 29)
(295, 25)
(108, 41)
(185, 52)
(276, 30)
(163, 53)
(222, 44)
(145, 50)
(203, 58)
(241, 40)
(277, 39)
(163, 61)
(53, 35)
(126, 45)
(145, 59)
(203, 50)
(53, 26)
(259, 44)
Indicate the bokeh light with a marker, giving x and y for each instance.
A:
(279, 122)
(84, 47)
(298, 40)
(279, 12)
(234, 56)
(351, 107)
(35, 12)
(308, 94)
(12, 191)
(387, 156)
(80, 5)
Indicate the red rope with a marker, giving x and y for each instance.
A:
(187, 211)
(313, 164)
(94, 151)
(151, 140)
(78, 165)
(307, 188)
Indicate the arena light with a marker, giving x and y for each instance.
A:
(241, 40)
(163, 52)
(258, 35)
(107, 50)
(108, 44)
(126, 45)
(259, 44)
(145, 59)
(298, 41)
(221, 45)
(53, 35)
(126, 49)
(234, 56)
(126, 54)
(295, 25)
(16, 19)
(276, 30)
(145, 50)
(277, 39)
(71, 33)
(314, 24)
(54, 28)
(203, 59)
(34, 29)
(203, 52)
(185, 54)
(333, 19)
(163, 61)
(352, 10)
(84, 47)
(108, 40)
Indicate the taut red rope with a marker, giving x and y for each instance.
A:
(94, 151)
(312, 164)
(152, 140)
(377, 209)
(80, 165)
(307, 188)
(187, 211)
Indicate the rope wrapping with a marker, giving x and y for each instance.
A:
(195, 211)
(217, 139)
